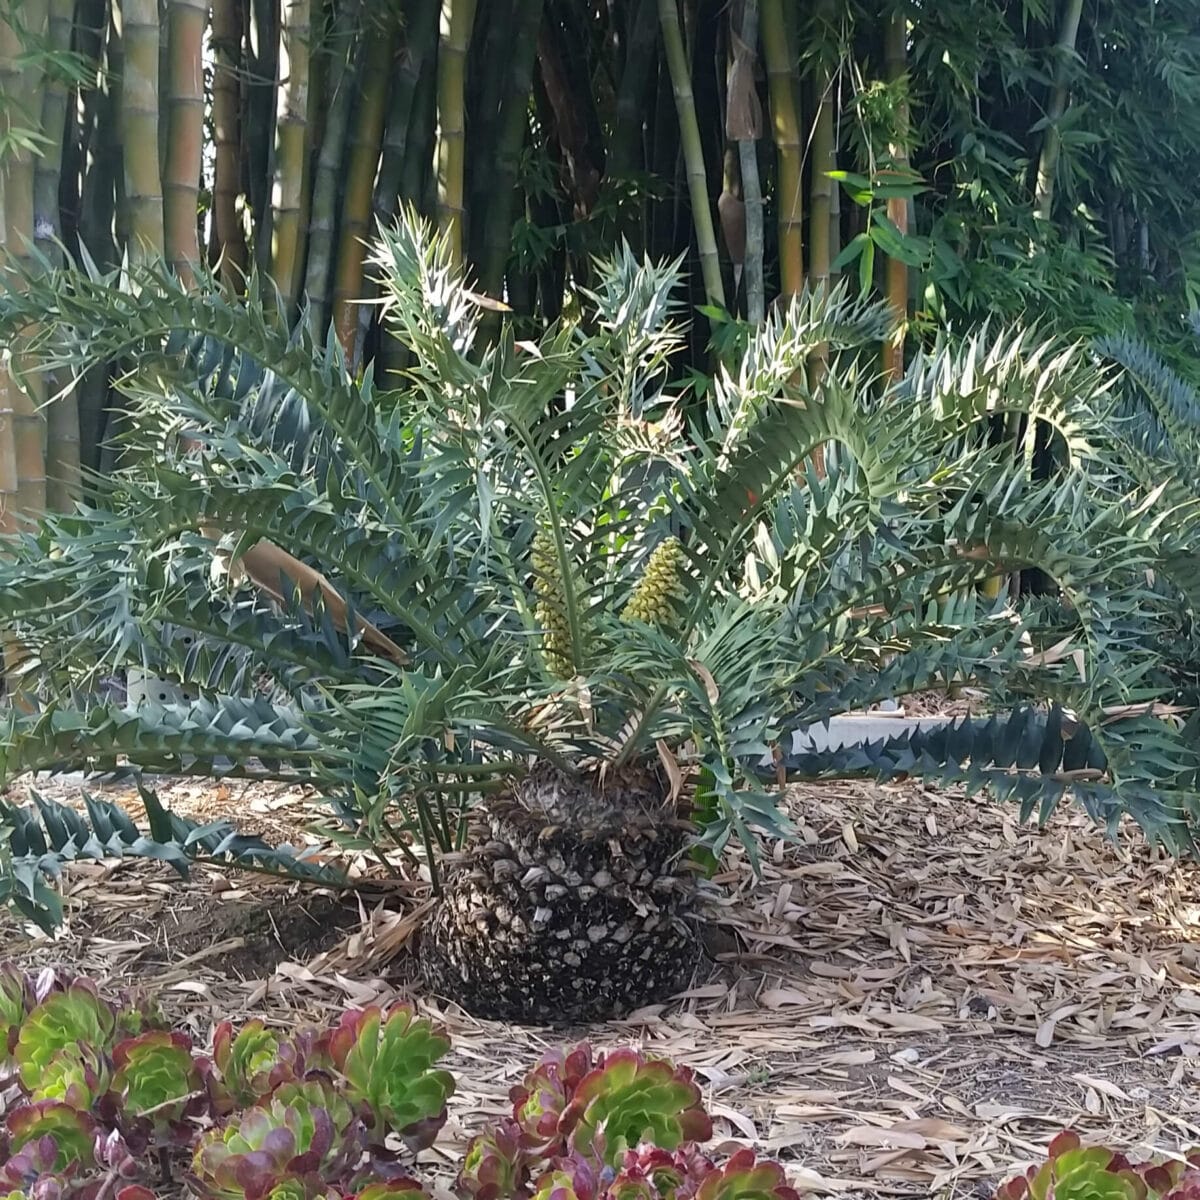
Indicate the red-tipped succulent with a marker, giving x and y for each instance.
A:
(385, 1063)
(496, 1165)
(540, 1100)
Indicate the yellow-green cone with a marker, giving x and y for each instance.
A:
(551, 609)
(653, 599)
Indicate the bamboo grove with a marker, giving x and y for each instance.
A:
(1011, 157)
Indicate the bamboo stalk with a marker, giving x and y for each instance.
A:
(322, 225)
(262, 36)
(820, 207)
(186, 22)
(229, 235)
(693, 153)
(512, 127)
(458, 16)
(1052, 142)
(418, 48)
(360, 183)
(632, 91)
(746, 133)
(895, 54)
(291, 148)
(139, 120)
(63, 480)
(789, 147)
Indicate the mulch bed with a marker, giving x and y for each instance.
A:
(915, 995)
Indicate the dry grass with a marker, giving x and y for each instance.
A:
(918, 994)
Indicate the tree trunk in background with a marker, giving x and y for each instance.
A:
(512, 125)
(1043, 204)
(785, 121)
(634, 96)
(693, 154)
(63, 480)
(327, 180)
(25, 87)
(895, 53)
(291, 149)
(360, 180)
(457, 19)
(744, 125)
(186, 22)
(228, 234)
(139, 128)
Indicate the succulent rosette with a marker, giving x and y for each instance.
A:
(571, 1178)
(76, 1016)
(244, 1062)
(385, 1061)
(744, 1177)
(16, 1000)
(301, 1137)
(496, 1165)
(54, 1127)
(540, 1100)
(400, 1188)
(76, 1075)
(649, 1173)
(627, 1099)
(1073, 1171)
(157, 1081)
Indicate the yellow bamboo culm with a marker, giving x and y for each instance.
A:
(458, 17)
(789, 143)
(291, 148)
(360, 183)
(139, 30)
(186, 22)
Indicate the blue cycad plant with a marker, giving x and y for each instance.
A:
(534, 567)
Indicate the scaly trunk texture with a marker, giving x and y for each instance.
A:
(291, 148)
(139, 128)
(789, 144)
(693, 153)
(575, 906)
(229, 236)
(1048, 163)
(186, 21)
(458, 17)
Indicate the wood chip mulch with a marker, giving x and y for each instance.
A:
(916, 995)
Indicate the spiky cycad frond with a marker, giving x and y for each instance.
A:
(460, 561)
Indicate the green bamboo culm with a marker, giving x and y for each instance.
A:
(551, 609)
(653, 599)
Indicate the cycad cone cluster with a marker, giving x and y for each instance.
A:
(652, 599)
(551, 609)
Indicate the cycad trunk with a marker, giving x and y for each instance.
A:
(785, 122)
(575, 906)
(139, 128)
(186, 21)
(291, 149)
(693, 153)
(458, 17)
